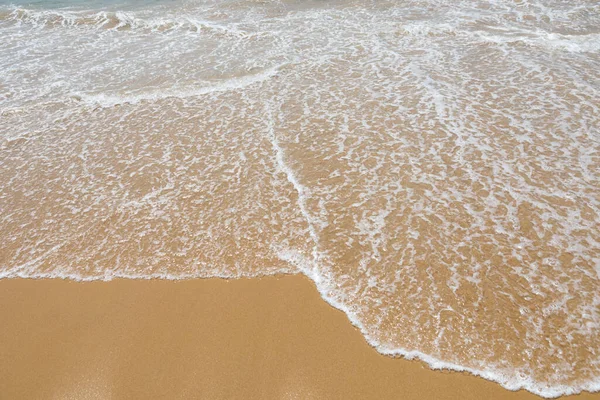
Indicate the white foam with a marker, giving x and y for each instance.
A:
(232, 84)
(118, 20)
(509, 379)
(589, 43)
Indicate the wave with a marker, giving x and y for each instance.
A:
(130, 21)
(105, 100)
(512, 380)
(117, 20)
(509, 379)
(507, 35)
(576, 43)
(420, 34)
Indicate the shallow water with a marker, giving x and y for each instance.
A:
(432, 166)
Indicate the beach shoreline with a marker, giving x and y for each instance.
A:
(269, 338)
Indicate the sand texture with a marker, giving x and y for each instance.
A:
(268, 338)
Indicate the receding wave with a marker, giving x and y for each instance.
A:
(129, 21)
(106, 20)
(222, 85)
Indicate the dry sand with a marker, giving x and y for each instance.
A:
(268, 338)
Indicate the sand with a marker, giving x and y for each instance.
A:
(267, 338)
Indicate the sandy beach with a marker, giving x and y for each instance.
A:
(268, 338)
(429, 167)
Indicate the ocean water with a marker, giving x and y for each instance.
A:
(433, 166)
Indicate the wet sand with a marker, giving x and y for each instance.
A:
(268, 338)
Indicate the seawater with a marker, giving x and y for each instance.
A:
(432, 166)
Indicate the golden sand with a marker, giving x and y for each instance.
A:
(268, 338)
